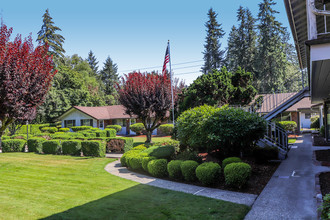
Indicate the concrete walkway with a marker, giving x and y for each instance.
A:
(116, 169)
(290, 194)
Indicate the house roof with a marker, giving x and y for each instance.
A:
(304, 103)
(105, 112)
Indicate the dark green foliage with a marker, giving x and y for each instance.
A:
(174, 169)
(13, 145)
(145, 161)
(92, 62)
(208, 173)
(158, 167)
(127, 143)
(188, 169)
(35, 144)
(138, 128)
(93, 148)
(51, 147)
(189, 155)
(230, 160)
(116, 127)
(134, 160)
(5, 137)
(64, 129)
(81, 128)
(237, 174)
(110, 132)
(48, 35)
(315, 122)
(213, 55)
(72, 147)
(127, 155)
(288, 125)
(325, 208)
(166, 129)
(101, 133)
(263, 154)
(162, 151)
(89, 134)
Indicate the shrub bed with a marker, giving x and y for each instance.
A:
(13, 145)
(35, 144)
(230, 160)
(72, 147)
(49, 129)
(93, 148)
(116, 127)
(81, 128)
(145, 161)
(208, 173)
(166, 129)
(158, 167)
(288, 125)
(110, 132)
(237, 174)
(51, 147)
(163, 151)
(174, 169)
(188, 169)
(122, 144)
(100, 133)
(64, 129)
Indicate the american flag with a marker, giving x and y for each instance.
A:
(167, 59)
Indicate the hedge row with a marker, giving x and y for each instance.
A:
(13, 145)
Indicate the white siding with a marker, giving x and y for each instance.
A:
(304, 123)
(77, 116)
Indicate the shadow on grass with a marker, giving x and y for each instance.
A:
(147, 202)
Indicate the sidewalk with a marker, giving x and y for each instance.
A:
(116, 169)
(290, 192)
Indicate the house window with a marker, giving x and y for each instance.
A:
(86, 122)
(101, 124)
(307, 115)
(69, 123)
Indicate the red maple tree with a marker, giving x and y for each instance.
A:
(148, 96)
(25, 77)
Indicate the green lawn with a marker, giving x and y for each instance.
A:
(36, 186)
(292, 140)
(141, 140)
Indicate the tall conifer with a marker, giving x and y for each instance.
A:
(109, 76)
(92, 61)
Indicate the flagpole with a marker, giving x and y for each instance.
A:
(168, 44)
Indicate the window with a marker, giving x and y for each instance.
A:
(101, 124)
(307, 115)
(69, 123)
(86, 122)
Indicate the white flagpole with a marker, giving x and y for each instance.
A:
(171, 80)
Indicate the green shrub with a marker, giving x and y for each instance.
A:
(188, 169)
(134, 160)
(43, 125)
(51, 147)
(60, 136)
(119, 144)
(174, 169)
(138, 128)
(13, 145)
(88, 134)
(20, 136)
(166, 129)
(49, 129)
(33, 128)
(230, 160)
(35, 144)
(288, 125)
(315, 123)
(322, 131)
(72, 147)
(5, 137)
(158, 167)
(208, 173)
(110, 132)
(64, 129)
(140, 147)
(93, 148)
(237, 174)
(189, 155)
(162, 151)
(81, 128)
(76, 135)
(145, 161)
(101, 133)
(116, 127)
(263, 154)
(325, 208)
(43, 135)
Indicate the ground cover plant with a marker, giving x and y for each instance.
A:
(40, 185)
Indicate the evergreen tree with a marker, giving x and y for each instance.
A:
(271, 56)
(48, 35)
(109, 77)
(231, 57)
(92, 62)
(213, 55)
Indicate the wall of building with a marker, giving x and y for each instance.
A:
(77, 116)
(305, 122)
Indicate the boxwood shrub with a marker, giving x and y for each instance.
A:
(110, 132)
(64, 129)
(288, 125)
(162, 151)
(61, 136)
(208, 173)
(138, 128)
(166, 129)
(81, 128)
(35, 144)
(140, 147)
(49, 129)
(13, 145)
(93, 148)
(116, 127)
(230, 160)
(134, 160)
(51, 147)
(188, 169)
(174, 169)
(72, 147)
(237, 174)
(158, 167)
(145, 161)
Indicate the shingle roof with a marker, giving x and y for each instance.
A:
(105, 112)
(305, 103)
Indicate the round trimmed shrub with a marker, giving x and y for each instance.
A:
(188, 169)
(288, 125)
(81, 128)
(230, 160)
(166, 129)
(145, 161)
(134, 161)
(174, 169)
(64, 129)
(140, 147)
(158, 168)
(49, 129)
(138, 128)
(208, 173)
(237, 174)
(116, 127)
(162, 151)
(129, 154)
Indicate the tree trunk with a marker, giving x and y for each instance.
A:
(148, 141)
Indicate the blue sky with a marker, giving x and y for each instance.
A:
(133, 33)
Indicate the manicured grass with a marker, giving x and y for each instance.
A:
(142, 140)
(36, 186)
(292, 140)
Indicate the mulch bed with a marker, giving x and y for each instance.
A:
(320, 141)
(323, 155)
(325, 183)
